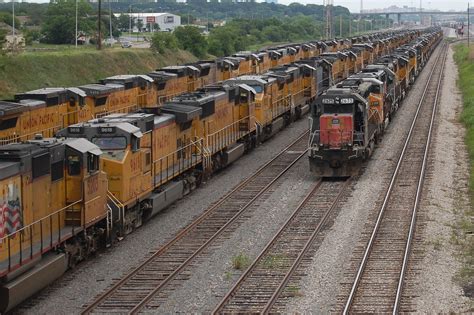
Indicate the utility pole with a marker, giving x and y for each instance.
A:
(110, 24)
(130, 21)
(421, 15)
(340, 26)
(468, 27)
(328, 5)
(99, 36)
(13, 22)
(76, 24)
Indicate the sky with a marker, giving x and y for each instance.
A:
(354, 5)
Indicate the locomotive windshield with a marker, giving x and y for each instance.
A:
(110, 143)
(338, 108)
(257, 88)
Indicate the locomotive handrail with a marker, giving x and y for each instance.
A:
(18, 138)
(117, 203)
(177, 161)
(39, 220)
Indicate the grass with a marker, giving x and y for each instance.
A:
(294, 291)
(464, 229)
(240, 261)
(67, 66)
(274, 261)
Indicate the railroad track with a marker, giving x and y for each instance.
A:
(378, 284)
(263, 283)
(148, 285)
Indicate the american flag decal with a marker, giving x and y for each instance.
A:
(3, 210)
(13, 218)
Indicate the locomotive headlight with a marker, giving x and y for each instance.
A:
(347, 100)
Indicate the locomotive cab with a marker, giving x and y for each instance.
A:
(339, 140)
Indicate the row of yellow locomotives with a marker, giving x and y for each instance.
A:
(102, 178)
(47, 110)
(108, 170)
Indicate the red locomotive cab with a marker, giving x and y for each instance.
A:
(336, 130)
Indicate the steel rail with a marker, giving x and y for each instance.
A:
(396, 305)
(389, 190)
(206, 214)
(298, 260)
(219, 308)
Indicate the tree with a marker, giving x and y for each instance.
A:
(139, 25)
(190, 38)
(124, 22)
(7, 18)
(59, 25)
(162, 41)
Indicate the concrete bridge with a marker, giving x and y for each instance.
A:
(400, 13)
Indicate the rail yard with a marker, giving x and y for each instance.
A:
(200, 188)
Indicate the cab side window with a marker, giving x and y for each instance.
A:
(73, 165)
(135, 143)
(92, 163)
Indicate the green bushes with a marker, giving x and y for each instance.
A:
(162, 41)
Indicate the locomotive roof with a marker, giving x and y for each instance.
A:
(252, 79)
(83, 145)
(162, 75)
(183, 113)
(128, 78)
(100, 89)
(50, 91)
(163, 119)
(8, 169)
(179, 68)
(140, 120)
(47, 93)
(336, 93)
(201, 64)
(198, 97)
(15, 151)
(94, 126)
(11, 108)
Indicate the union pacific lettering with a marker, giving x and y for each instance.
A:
(163, 141)
(135, 162)
(92, 185)
(222, 113)
(35, 121)
(119, 101)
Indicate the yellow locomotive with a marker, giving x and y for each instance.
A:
(53, 194)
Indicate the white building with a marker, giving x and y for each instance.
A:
(150, 21)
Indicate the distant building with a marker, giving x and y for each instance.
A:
(272, 1)
(153, 21)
